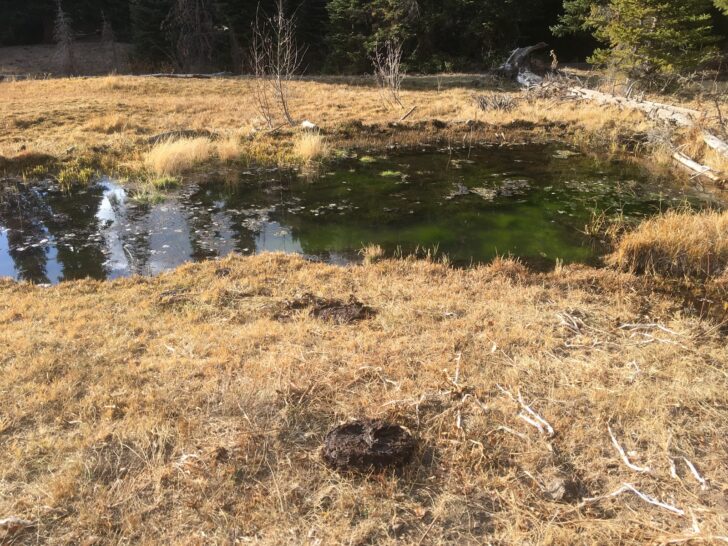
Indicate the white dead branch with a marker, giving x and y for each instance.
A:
(653, 326)
(13, 524)
(529, 415)
(545, 426)
(697, 168)
(694, 471)
(629, 488)
(622, 453)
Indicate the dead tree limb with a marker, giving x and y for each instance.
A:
(518, 60)
(697, 168)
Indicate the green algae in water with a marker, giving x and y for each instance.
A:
(529, 201)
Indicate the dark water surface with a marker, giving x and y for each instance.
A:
(529, 201)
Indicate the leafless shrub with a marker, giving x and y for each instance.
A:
(63, 35)
(108, 40)
(276, 59)
(191, 26)
(496, 101)
(387, 60)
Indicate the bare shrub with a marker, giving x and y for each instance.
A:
(496, 101)
(63, 35)
(276, 59)
(388, 72)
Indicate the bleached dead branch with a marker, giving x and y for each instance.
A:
(653, 326)
(694, 471)
(544, 424)
(629, 488)
(14, 524)
(624, 455)
(530, 416)
(697, 168)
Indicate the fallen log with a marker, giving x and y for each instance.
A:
(685, 117)
(715, 143)
(189, 76)
(697, 168)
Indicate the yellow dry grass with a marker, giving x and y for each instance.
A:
(51, 116)
(189, 408)
(108, 124)
(309, 147)
(677, 244)
(229, 149)
(173, 157)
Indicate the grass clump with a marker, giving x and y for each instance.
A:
(74, 174)
(173, 157)
(148, 195)
(108, 124)
(311, 146)
(229, 149)
(677, 244)
(390, 174)
(372, 254)
(165, 182)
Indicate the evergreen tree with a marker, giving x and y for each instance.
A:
(437, 34)
(647, 37)
(150, 41)
(108, 39)
(63, 35)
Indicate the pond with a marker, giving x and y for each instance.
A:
(531, 201)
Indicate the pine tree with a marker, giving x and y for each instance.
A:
(108, 40)
(648, 37)
(191, 30)
(63, 35)
(150, 41)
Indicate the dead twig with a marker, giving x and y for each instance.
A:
(624, 455)
(629, 488)
(529, 415)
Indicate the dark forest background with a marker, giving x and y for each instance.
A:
(437, 35)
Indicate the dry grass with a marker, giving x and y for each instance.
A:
(108, 124)
(677, 244)
(173, 157)
(50, 116)
(309, 147)
(229, 149)
(189, 408)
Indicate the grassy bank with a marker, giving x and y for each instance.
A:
(189, 408)
(109, 123)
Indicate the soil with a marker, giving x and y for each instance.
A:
(367, 444)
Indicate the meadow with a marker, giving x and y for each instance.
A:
(582, 405)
